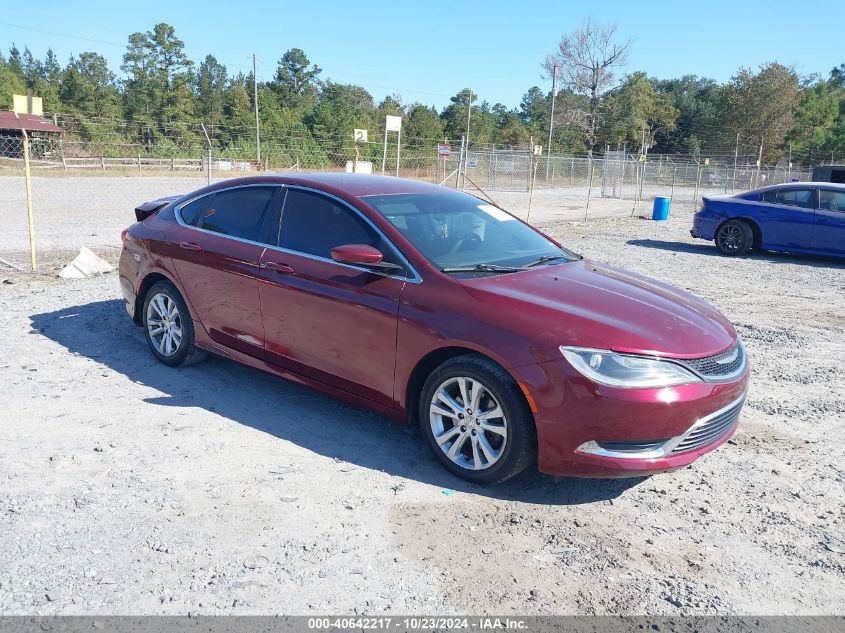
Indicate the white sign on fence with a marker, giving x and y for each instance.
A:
(359, 167)
(360, 136)
(392, 124)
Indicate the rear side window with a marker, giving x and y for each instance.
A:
(804, 198)
(192, 212)
(314, 224)
(238, 212)
(832, 200)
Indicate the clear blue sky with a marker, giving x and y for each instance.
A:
(429, 50)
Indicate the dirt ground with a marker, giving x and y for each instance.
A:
(132, 488)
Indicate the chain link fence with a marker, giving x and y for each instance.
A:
(84, 190)
(597, 182)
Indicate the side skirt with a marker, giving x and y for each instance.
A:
(203, 341)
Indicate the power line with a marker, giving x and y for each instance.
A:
(65, 35)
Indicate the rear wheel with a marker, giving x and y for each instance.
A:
(476, 421)
(168, 326)
(734, 238)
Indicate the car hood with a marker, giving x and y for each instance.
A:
(589, 304)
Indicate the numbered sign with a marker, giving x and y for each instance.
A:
(360, 136)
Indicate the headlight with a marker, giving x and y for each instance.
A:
(626, 370)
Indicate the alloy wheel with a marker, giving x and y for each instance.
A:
(468, 423)
(164, 324)
(730, 237)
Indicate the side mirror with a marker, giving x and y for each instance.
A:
(357, 254)
(362, 255)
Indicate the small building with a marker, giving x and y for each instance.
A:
(829, 173)
(11, 134)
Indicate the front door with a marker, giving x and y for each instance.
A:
(216, 250)
(331, 322)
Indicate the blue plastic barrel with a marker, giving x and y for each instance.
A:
(660, 211)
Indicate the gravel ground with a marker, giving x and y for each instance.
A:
(131, 488)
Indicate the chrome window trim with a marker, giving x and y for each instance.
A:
(177, 213)
(664, 450)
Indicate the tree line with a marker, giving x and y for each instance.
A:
(163, 97)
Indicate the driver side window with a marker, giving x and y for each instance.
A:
(314, 224)
(832, 200)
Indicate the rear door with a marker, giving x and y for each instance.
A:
(331, 322)
(829, 230)
(787, 216)
(216, 250)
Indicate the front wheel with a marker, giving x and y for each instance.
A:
(168, 326)
(734, 238)
(476, 420)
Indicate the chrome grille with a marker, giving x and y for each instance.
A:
(728, 364)
(710, 429)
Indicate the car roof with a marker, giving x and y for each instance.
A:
(357, 185)
(804, 185)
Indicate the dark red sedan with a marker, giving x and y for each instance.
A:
(436, 308)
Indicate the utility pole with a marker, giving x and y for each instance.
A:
(551, 120)
(736, 157)
(789, 165)
(208, 140)
(469, 112)
(257, 132)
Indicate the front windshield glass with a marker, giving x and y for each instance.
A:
(454, 230)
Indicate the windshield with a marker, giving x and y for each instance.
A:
(457, 231)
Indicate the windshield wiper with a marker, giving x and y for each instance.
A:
(546, 258)
(482, 268)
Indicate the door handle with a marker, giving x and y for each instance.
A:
(279, 268)
(190, 246)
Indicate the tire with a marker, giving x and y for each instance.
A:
(494, 457)
(734, 238)
(175, 346)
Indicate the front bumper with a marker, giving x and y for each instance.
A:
(573, 412)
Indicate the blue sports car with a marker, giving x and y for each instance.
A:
(799, 217)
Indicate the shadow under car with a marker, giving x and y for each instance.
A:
(103, 332)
